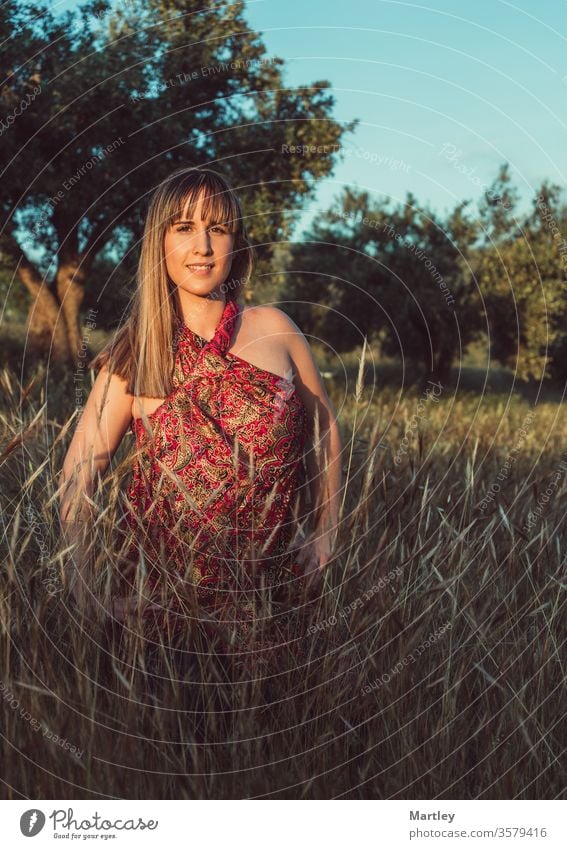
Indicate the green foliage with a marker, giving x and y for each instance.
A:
(13, 296)
(424, 286)
(394, 274)
(520, 268)
(127, 95)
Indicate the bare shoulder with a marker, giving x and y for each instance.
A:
(270, 318)
(268, 321)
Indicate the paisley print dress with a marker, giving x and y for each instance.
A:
(217, 488)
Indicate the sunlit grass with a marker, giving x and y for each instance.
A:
(450, 618)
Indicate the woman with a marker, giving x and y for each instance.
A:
(224, 402)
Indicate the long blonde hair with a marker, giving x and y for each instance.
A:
(141, 351)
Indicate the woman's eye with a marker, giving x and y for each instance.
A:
(182, 228)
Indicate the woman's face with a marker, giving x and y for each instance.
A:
(198, 253)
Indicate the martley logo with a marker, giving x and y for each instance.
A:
(32, 822)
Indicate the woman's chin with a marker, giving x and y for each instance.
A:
(200, 287)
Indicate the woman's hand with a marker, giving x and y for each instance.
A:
(94, 615)
(124, 607)
(312, 557)
(87, 612)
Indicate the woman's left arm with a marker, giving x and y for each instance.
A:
(323, 453)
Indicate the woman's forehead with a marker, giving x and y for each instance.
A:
(217, 208)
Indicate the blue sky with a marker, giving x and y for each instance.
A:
(485, 81)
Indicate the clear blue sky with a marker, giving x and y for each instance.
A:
(488, 77)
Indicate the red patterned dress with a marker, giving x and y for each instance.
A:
(216, 489)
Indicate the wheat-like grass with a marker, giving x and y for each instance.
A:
(448, 677)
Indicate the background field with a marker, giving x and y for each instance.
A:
(456, 652)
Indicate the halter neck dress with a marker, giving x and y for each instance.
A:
(217, 486)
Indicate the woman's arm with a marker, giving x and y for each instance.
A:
(323, 451)
(103, 423)
(323, 460)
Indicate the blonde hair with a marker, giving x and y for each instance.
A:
(141, 351)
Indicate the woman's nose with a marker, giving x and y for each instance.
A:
(202, 241)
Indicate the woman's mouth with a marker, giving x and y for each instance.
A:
(200, 267)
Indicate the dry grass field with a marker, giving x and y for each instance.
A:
(448, 590)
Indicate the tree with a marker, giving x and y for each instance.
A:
(123, 97)
(519, 270)
(427, 286)
(398, 275)
(334, 279)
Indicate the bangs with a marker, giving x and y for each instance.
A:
(219, 205)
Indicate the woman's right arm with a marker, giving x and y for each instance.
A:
(103, 422)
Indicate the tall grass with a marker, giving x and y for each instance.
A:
(442, 678)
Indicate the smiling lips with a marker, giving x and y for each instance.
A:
(200, 268)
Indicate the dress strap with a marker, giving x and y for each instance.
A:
(223, 334)
(220, 342)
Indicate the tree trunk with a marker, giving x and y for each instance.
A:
(53, 320)
(70, 279)
(442, 366)
(46, 332)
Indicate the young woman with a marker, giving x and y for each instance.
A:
(228, 411)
